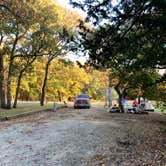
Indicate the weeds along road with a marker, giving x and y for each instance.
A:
(83, 137)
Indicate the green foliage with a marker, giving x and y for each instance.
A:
(128, 39)
(66, 77)
(31, 29)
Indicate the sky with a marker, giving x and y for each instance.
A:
(66, 2)
(73, 56)
(63, 2)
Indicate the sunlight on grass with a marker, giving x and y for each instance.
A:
(161, 110)
(22, 108)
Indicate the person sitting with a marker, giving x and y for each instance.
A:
(115, 108)
(135, 103)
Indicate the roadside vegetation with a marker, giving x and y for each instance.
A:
(160, 107)
(25, 108)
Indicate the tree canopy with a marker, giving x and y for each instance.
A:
(127, 37)
(30, 29)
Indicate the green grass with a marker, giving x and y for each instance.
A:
(23, 108)
(162, 110)
(159, 106)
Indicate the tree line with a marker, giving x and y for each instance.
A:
(32, 35)
(65, 80)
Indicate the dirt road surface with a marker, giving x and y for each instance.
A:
(84, 137)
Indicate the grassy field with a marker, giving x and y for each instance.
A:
(22, 108)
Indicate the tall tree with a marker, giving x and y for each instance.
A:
(25, 26)
(14, 26)
(27, 64)
(2, 85)
(125, 37)
(56, 35)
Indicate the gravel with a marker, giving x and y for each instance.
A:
(68, 138)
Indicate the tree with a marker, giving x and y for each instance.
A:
(28, 29)
(126, 37)
(55, 47)
(16, 21)
(2, 86)
(56, 35)
(27, 64)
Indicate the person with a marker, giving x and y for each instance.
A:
(135, 103)
(54, 107)
(142, 105)
(115, 108)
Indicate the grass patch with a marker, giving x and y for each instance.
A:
(23, 108)
(162, 110)
(160, 106)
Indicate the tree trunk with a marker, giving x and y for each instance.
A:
(120, 99)
(18, 88)
(2, 87)
(59, 96)
(44, 84)
(110, 96)
(9, 78)
(139, 99)
(19, 80)
(120, 96)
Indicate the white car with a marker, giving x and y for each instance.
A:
(148, 106)
(127, 106)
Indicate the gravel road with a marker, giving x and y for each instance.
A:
(83, 137)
